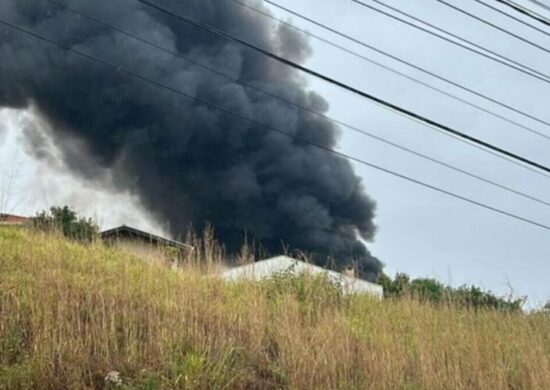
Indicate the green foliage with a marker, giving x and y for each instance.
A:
(544, 310)
(96, 317)
(307, 288)
(17, 376)
(475, 297)
(431, 290)
(66, 221)
(395, 287)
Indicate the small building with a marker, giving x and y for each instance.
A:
(145, 244)
(12, 220)
(267, 268)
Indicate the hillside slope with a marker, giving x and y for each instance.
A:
(72, 314)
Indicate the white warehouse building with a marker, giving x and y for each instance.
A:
(266, 268)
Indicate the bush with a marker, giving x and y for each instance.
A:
(431, 290)
(312, 292)
(66, 221)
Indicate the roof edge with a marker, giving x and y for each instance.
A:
(129, 229)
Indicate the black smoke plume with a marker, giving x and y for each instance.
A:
(188, 162)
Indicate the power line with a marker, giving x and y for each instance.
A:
(512, 17)
(420, 69)
(303, 108)
(471, 15)
(525, 11)
(474, 47)
(345, 49)
(540, 4)
(381, 102)
(119, 69)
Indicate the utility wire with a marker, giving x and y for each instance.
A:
(525, 11)
(381, 102)
(119, 69)
(540, 4)
(514, 35)
(420, 69)
(301, 107)
(512, 17)
(425, 84)
(473, 47)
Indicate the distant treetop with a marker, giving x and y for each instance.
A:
(65, 220)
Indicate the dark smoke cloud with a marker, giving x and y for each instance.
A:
(190, 163)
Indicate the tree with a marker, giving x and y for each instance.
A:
(428, 289)
(431, 290)
(66, 221)
(475, 297)
(394, 287)
(545, 309)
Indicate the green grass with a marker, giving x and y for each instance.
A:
(70, 314)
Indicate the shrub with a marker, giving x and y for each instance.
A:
(433, 291)
(66, 221)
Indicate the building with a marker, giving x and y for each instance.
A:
(145, 244)
(12, 220)
(267, 268)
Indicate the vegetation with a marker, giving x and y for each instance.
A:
(78, 316)
(431, 290)
(66, 221)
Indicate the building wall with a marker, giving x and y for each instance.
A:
(148, 251)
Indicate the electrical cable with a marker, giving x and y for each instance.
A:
(512, 17)
(525, 11)
(119, 69)
(475, 48)
(381, 102)
(540, 4)
(301, 107)
(425, 84)
(486, 22)
(418, 68)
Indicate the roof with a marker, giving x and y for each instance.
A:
(267, 268)
(133, 233)
(10, 219)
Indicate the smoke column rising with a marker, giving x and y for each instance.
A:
(189, 163)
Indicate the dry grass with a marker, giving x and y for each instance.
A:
(69, 314)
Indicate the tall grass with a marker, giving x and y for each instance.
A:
(70, 314)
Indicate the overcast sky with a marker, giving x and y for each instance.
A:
(421, 232)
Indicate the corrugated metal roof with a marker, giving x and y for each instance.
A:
(267, 268)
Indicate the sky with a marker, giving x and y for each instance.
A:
(421, 232)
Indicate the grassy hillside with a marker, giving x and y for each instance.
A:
(71, 314)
